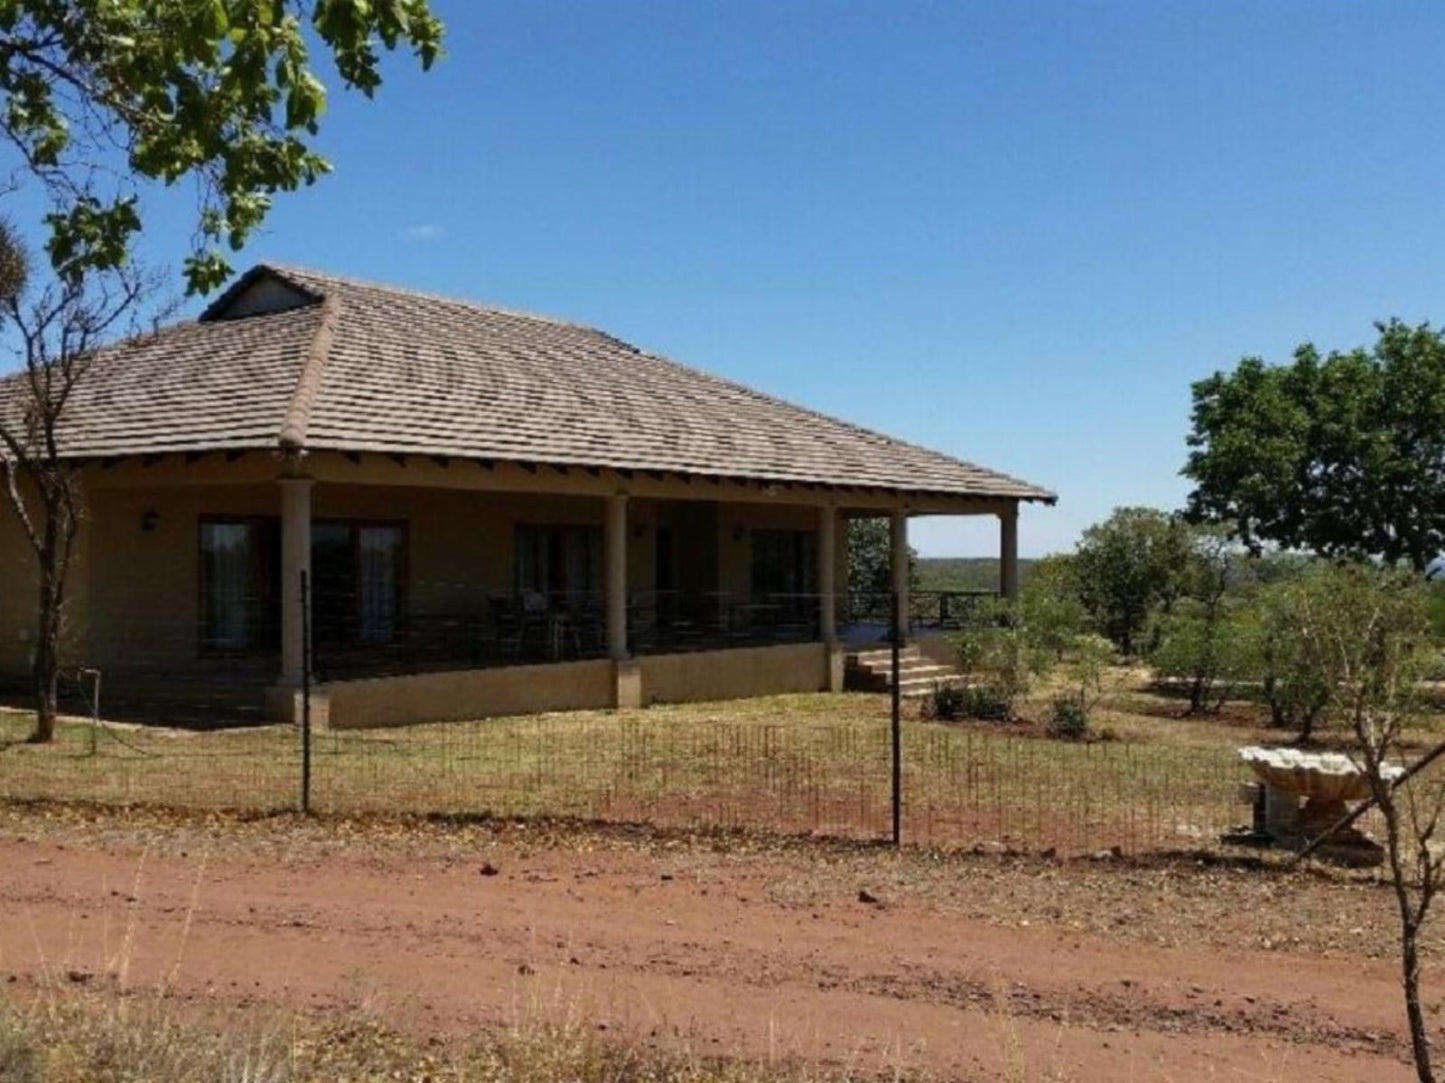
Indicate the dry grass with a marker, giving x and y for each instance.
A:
(791, 764)
(77, 1036)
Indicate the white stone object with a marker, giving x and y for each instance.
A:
(1328, 776)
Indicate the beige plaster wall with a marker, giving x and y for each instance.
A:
(467, 694)
(17, 595)
(734, 674)
(19, 588)
(736, 522)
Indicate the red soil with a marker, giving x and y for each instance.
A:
(708, 960)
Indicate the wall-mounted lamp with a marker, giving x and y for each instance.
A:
(149, 520)
(739, 533)
(639, 530)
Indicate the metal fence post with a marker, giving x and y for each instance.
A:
(896, 639)
(305, 694)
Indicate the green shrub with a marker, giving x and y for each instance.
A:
(1000, 660)
(988, 703)
(947, 703)
(1209, 648)
(1070, 718)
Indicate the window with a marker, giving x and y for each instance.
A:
(357, 584)
(240, 566)
(561, 563)
(785, 562)
(358, 572)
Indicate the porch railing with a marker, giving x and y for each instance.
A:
(471, 629)
(928, 610)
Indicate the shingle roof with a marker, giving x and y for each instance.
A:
(362, 367)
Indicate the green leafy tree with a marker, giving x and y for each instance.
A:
(1291, 675)
(98, 95)
(1342, 455)
(1204, 640)
(1129, 566)
(870, 566)
(1051, 606)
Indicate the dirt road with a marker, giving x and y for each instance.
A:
(707, 956)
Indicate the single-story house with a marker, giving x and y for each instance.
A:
(493, 512)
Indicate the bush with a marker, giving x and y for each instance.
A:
(1070, 718)
(1290, 669)
(1209, 648)
(988, 703)
(952, 703)
(946, 704)
(1000, 660)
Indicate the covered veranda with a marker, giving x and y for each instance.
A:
(447, 588)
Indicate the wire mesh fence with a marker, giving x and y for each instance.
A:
(182, 726)
(795, 766)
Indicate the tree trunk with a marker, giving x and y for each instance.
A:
(1409, 938)
(47, 640)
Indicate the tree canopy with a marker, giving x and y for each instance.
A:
(98, 94)
(1129, 566)
(1343, 455)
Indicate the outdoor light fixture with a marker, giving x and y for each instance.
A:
(149, 520)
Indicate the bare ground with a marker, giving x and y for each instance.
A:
(975, 968)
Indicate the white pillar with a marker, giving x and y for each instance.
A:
(616, 549)
(295, 559)
(1008, 551)
(899, 552)
(827, 573)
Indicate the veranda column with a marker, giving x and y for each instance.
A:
(1008, 552)
(828, 573)
(295, 559)
(899, 552)
(616, 547)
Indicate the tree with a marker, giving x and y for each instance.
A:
(1203, 640)
(1291, 675)
(59, 330)
(1371, 638)
(1050, 605)
(1129, 566)
(870, 565)
(96, 95)
(1342, 455)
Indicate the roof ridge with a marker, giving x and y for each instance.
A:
(308, 380)
(286, 271)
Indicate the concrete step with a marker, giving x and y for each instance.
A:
(881, 656)
(908, 684)
(919, 688)
(919, 672)
(905, 665)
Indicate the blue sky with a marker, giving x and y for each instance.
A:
(1013, 232)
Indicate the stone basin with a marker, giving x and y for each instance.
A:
(1326, 781)
(1329, 776)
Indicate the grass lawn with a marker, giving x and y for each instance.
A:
(796, 764)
